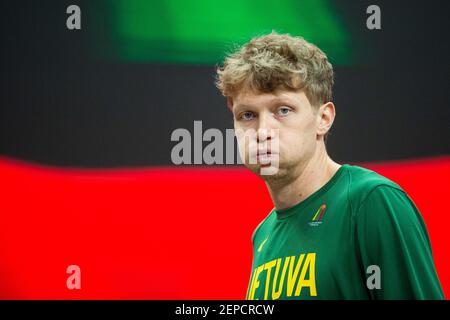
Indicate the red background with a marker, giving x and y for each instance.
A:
(159, 233)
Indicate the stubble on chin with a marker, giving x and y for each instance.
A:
(272, 175)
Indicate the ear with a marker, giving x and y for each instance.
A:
(230, 103)
(325, 115)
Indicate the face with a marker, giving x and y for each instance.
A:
(276, 132)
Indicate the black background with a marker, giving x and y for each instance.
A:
(62, 106)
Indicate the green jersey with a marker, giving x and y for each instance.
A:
(360, 236)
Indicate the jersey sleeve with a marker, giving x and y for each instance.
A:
(391, 235)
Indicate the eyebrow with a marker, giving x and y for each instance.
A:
(241, 106)
(271, 102)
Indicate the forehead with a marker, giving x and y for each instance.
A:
(257, 100)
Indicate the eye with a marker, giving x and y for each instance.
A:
(246, 116)
(283, 111)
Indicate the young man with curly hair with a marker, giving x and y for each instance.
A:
(336, 231)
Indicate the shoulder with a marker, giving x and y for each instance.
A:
(363, 182)
(386, 216)
(377, 201)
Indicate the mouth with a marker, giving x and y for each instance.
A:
(265, 157)
(267, 152)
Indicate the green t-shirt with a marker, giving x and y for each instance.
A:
(360, 236)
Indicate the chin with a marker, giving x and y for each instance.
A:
(268, 172)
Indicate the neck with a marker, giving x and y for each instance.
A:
(306, 179)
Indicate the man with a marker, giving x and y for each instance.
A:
(336, 231)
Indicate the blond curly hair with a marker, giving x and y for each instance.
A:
(277, 61)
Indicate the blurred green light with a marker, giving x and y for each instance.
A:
(203, 31)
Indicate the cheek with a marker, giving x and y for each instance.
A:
(308, 130)
(299, 131)
(246, 141)
(241, 147)
(298, 139)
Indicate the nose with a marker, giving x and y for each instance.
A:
(266, 128)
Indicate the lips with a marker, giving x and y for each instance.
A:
(262, 153)
(265, 153)
(265, 156)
